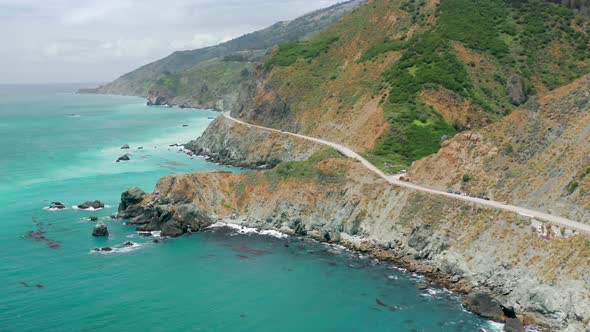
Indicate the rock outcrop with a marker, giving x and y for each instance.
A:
(579, 6)
(228, 143)
(56, 206)
(166, 214)
(485, 306)
(91, 205)
(156, 100)
(100, 230)
(516, 90)
(124, 157)
(129, 205)
(125, 146)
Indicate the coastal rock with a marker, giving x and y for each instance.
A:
(100, 230)
(124, 157)
(129, 208)
(156, 101)
(57, 206)
(106, 249)
(485, 306)
(513, 325)
(91, 205)
(125, 147)
(173, 221)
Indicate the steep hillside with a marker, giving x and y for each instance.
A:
(537, 157)
(395, 78)
(182, 75)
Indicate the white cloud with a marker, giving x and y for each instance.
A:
(99, 40)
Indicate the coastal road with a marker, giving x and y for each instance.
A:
(394, 179)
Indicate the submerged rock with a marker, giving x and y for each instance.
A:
(128, 244)
(103, 249)
(124, 157)
(125, 146)
(100, 230)
(89, 204)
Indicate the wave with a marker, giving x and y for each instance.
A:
(120, 250)
(248, 230)
(75, 207)
(53, 209)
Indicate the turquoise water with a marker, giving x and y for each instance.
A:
(62, 147)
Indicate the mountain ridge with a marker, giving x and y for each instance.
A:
(182, 78)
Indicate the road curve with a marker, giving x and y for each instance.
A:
(557, 220)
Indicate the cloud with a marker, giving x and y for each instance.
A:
(99, 40)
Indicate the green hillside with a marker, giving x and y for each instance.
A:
(492, 55)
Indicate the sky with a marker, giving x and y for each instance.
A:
(73, 41)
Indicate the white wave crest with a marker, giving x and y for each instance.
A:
(248, 230)
(75, 207)
(53, 209)
(122, 249)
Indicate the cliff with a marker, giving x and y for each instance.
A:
(229, 143)
(464, 246)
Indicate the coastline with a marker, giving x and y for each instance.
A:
(435, 237)
(364, 249)
(385, 255)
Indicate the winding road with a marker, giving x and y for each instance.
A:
(394, 179)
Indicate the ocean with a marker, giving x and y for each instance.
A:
(59, 146)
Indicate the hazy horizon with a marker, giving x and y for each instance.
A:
(82, 42)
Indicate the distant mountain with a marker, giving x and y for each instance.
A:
(204, 77)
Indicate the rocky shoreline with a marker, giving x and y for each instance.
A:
(453, 244)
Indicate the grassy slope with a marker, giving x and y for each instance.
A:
(466, 48)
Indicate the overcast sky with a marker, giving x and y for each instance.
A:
(47, 41)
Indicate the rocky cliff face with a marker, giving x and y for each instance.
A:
(464, 246)
(229, 143)
(579, 6)
(536, 157)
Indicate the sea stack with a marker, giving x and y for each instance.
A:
(100, 230)
(94, 205)
(124, 157)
